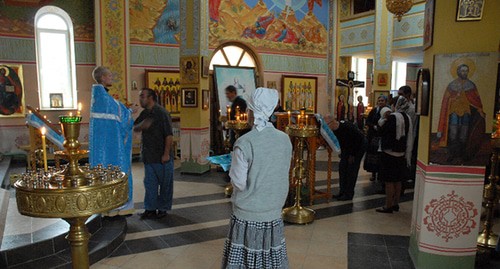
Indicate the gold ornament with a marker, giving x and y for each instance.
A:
(72, 193)
(398, 7)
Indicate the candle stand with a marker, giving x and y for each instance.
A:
(297, 213)
(72, 193)
(487, 238)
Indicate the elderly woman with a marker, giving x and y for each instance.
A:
(372, 158)
(259, 174)
(396, 143)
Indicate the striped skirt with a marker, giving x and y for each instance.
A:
(253, 244)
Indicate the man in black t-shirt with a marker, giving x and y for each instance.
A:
(156, 126)
(353, 145)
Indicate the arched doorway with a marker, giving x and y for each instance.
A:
(234, 54)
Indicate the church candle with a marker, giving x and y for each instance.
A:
(306, 122)
(78, 113)
(237, 118)
(496, 134)
(228, 110)
(298, 121)
(44, 150)
(289, 118)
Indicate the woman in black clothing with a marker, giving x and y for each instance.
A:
(372, 158)
(396, 142)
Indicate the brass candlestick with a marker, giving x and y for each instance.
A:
(487, 238)
(227, 141)
(238, 127)
(297, 213)
(73, 193)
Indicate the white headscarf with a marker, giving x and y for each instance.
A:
(262, 103)
(384, 110)
(402, 107)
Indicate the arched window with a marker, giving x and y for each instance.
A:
(233, 55)
(55, 58)
(237, 54)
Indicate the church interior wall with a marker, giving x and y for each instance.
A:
(17, 37)
(481, 36)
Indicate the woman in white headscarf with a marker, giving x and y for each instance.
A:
(259, 174)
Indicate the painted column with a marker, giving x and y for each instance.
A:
(195, 122)
(333, 24)
(112, 43)
(382, 63)
(446, 216)
(447, 198)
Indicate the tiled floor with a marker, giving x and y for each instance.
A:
(192, 235)
(378, 251)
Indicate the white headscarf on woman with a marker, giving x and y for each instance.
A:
(402, 106)
(262, 103)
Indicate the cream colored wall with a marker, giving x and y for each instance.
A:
(13, 131)
(451, 36)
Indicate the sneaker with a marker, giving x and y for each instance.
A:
(384, 210)
(148, 214)
(161, 214)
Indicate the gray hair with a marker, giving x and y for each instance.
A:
(99, 72)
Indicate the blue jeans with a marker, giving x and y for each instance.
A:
(158, 185)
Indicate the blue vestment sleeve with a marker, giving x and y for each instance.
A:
(110, 133)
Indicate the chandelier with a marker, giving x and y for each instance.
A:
(398, 7)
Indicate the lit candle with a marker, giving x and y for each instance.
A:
(44, 150)
(228, 110)
(237, 118)
(289, 118)
(70, 114)
(298, 120)
(78, 113)
(306, 121)
(496, 134)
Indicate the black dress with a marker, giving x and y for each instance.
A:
(372, 157)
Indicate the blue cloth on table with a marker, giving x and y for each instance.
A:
(110, 135)
(328, 134)
(223, 160)
(51, 135)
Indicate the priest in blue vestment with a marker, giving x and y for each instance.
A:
(110, 133)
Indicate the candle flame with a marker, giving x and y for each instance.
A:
(70, 114)
(43, 130)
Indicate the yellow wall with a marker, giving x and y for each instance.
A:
(451, 36)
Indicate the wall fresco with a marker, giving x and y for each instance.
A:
(284, 25)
